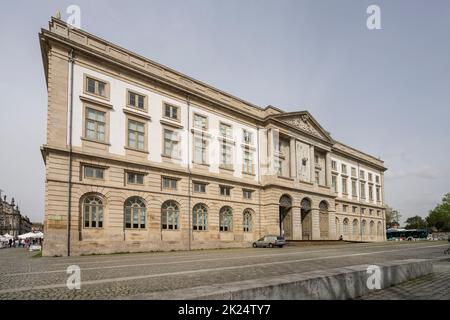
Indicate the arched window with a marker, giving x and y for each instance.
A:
(372, 228)
(345, 226)
(135, 213)
(247, 222)
(200, 217)
(286, 201)
(93, 212)
(379, 229)
(363, 227)
(355, 228)
(170, 214)
(323, 206)
(226, 219)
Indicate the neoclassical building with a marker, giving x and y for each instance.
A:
(140, 157)
(12, 221)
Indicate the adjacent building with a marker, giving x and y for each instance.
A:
(140, 157)
(11, 220)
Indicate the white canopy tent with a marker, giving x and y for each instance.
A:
(38, 235)
(8, 236)
(25, 235)
(32, 235)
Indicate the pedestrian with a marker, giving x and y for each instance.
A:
(10, 243)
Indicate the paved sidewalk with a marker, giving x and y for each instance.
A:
(435, 286)
(127, 275)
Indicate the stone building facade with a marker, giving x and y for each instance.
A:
(140, 157)
(11, 220)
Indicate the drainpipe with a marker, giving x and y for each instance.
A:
(189, 168)
(360, 202)
(69, 213)
(259, 182)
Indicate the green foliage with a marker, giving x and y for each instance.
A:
(416, 222)
(439, 217)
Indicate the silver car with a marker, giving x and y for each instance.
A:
(269, 241)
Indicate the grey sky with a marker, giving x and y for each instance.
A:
(385, 92)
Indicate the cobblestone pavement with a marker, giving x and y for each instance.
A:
(23, 276)
(435, 286)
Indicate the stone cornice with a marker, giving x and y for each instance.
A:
(362, 157)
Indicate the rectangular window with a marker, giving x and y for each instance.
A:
(377, 179)
(225, 156)
(333, 165)
(171, 112)
(96, 87)
(334, 183)
(225, 191)
(353, 172)
(316, 159)
(378, 212)
(344, 185)
(248, 139)
(344, 168)
(370, 211)
(200, 122)
(354, 194)
(171, 144)
(95, 125)
(345, 208)
(200, 150)
(363, 210)
(370, 193)
(369, 176)
(136, 100)
(199, 187)
(94, 172)
(317, 177)
(135, 178)
(362, 174)
(247, 194)
(363, 190)
(169, 183)
(378, 195)
(225, 130)
(136, 132)
(354, 209)
(248, 162)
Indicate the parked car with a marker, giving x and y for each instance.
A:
(269, 241)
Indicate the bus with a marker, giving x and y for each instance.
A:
(403, 234)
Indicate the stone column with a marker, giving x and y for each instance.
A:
(332, 225)
(296, 223)
(328, 169)
(312, 165)
(270, 151)
(293, 159)
(315, 224)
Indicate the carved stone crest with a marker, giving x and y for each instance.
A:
(303, 123)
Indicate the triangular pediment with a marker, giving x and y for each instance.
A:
(303, 121)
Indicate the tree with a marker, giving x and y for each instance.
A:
(392, 217)
(439, 217)
(416, 222)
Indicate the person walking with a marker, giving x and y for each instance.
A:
(10, 243)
